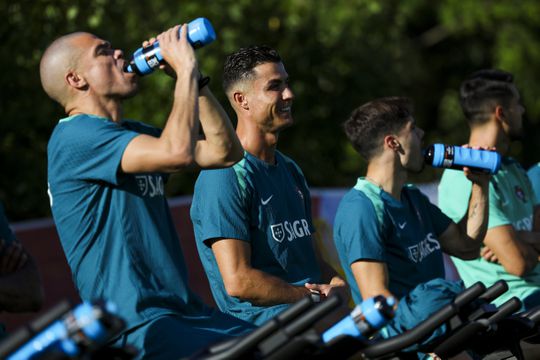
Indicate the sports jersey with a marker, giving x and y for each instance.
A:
(116, 230)
(370, 224)
(511, 202)
(534, 177)
(267, 206)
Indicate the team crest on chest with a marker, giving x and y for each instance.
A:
(150, 185)
(520, 193)
(278, 232)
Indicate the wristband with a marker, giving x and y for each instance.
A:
(203, 80)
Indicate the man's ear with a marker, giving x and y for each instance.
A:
(391, 142)
(75, 80)
(500, 114)
(240, 100)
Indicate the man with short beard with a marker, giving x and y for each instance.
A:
(252, 221)
(491, 104)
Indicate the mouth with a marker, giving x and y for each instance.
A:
(285, 109)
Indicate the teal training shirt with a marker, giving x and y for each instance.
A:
(511, 202)
(534, 176)
(116, 229)
(372, 225)
(269, 207)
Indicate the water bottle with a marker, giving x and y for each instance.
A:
(145, 60)
(85, 324)
(456, 157)
(364, 320)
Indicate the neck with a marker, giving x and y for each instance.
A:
(257, 142)
(110, 109)
(490, 135)
(387, 174)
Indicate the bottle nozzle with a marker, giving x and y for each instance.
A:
(128, 68)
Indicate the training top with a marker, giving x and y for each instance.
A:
(534, 177)
(267, 206)
(511, 202)
(115, 228)
(370, 224)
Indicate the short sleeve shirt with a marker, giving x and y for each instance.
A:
(267, 206)
(116, 229)
(534, 177)
(511, 202)
(372, 225)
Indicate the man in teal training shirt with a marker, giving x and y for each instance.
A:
(106, 184)
(252, 221)
(491, 104)
(388, 235)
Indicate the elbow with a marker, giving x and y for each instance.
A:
(234, 288)
(518, 268)
(180, 160)
(233, 156)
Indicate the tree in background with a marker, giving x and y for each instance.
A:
(339, 54)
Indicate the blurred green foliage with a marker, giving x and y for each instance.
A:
(339, 54)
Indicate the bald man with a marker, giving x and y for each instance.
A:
(106, 185)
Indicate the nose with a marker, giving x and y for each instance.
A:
(288, 93)
(118, 54)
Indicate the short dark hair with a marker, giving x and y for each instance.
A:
(240, 64)
(482, 91)
(369, 123)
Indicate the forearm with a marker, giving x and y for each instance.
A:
(21, 291)
(221, 146)
(263, 289)
(180, 133)
(473, 226)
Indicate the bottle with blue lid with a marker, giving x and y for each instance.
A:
(146, 59)
(457, 157)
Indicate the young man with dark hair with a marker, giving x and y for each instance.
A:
(491, 104)
(252, 222)
(389, 237)
(106, 184)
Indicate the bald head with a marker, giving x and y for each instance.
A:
(60, 57)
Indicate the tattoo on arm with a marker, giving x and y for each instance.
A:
(472, 210)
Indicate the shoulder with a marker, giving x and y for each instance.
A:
(290, 163)
(141, 127)
(534, 171)
(359, 203)
(236, 175)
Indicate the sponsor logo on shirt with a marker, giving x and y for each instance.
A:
(264, 202)
(150, 185)
(524, 224)
(425, 247)
(290, 230)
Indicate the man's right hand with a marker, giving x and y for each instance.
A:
(12, 257)
(177, 51)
